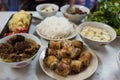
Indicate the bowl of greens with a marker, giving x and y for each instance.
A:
(107, 12)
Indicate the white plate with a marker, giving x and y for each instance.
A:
(69, 37)
(81, 76)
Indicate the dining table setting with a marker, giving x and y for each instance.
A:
(99, 62)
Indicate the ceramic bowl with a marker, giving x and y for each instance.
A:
(96, 42)
(47, 9)
(24, 62)
(76, 18)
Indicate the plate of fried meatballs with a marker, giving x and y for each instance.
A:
(68, 60)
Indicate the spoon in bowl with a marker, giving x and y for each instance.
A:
(70, 8)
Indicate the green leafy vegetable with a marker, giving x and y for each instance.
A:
(108, 12)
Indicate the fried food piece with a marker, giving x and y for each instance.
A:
(68, 43)
(66, 60)
(65, 43)
(54, 45)
(77, 44)
(70, 52)
(50, 51)
(76, 66)
(64, 53)
(62, 69)
(75, 53)
(85, 58)
(53, 52)
(51, 62)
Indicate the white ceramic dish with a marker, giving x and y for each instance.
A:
(47, 14)
(47, 38)
(76, 18)
(95, 43)
(80, 76)
(25, 62)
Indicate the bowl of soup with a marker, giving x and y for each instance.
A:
(47, 9)
(19, 50)
(96, 33)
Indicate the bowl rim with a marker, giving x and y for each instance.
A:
(67, 5)
(24, 34)
(94, 22)
(56, 7)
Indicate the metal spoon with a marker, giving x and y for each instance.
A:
(70, 8)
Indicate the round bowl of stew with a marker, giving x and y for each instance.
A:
(18, 50)
(77, 13)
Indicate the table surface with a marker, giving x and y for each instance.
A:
(107, 64)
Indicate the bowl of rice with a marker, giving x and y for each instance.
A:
(56, 28)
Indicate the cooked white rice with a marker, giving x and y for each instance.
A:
(55, 27)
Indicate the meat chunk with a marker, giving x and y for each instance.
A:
(6, 48)
(20, 46)
(17, 38)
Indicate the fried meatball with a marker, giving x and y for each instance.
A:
(76, 66)
(62, 69)
(54, 45)
(85, 58)
(65, 43)
(66, 60)
(51, 61)
(77, 44)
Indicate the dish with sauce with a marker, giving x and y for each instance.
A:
(95, 33)
(47, 9)
(18, 48)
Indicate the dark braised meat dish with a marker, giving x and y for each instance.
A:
(67, 57)
(76, 10)
(18, 48)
